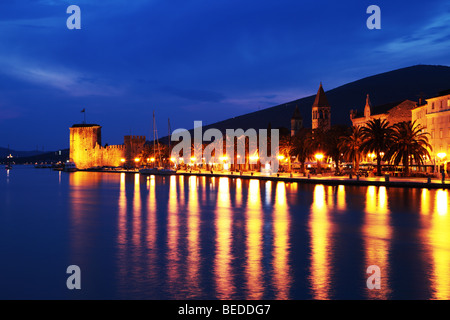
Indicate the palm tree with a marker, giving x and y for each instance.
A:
(350, 146)
(303, 147)
(332, 140)
(409, 144)
(377, 136)
(287, 148)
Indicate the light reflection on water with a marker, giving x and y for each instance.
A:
(377, 235)
(218, 238)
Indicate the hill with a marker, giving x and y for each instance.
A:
(4, 152)
(406, 83)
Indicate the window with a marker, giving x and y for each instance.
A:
(432, 134)
(441, 133)
(432, 106)
(448, 102)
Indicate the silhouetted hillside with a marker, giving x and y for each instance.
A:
(4, 152)
(34, 156)
(407, 83)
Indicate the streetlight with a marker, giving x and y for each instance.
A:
(319, 157)
(441, 156)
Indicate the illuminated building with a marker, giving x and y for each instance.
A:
(393, 112)
(86, 148)
(434, 117)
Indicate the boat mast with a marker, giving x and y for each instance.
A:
(154, 141)
(168, 120)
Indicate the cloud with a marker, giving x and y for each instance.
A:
(74, 83)
(430, 37)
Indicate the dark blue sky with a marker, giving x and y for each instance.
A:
(192, 59)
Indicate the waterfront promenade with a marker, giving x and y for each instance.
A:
(327, 179)
(330, 179)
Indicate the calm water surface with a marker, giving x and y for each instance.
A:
(137, 237)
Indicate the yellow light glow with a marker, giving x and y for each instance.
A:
(441, 155)
(193, 159)
(152, 159)
(321, 230)
(319, 156)
(172, 159)
(224, 284)
(137, 160)
(122, 160)
(377, 232)
(224, 158)
(254, 158)
(280, 157)
(254, 242)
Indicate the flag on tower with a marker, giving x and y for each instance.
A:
(84, 110)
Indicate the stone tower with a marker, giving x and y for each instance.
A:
(321, 111)
(134, 146)
(84, 138)
(296, 121)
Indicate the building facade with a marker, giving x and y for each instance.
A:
(86, 149)
(393, 112)
(434, 117)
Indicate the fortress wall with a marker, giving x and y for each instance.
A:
(87, 152)
(111, 155)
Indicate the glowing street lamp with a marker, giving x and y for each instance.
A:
(280, 157)
(319, 156)
(122, 160)
(137, 160)
(441, 155)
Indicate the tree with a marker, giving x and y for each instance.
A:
(331, 142)
(287, 148)
(350, 146)
(377, 136)
(303, 147)
(409, 144)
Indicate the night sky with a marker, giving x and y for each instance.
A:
(192, 59)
